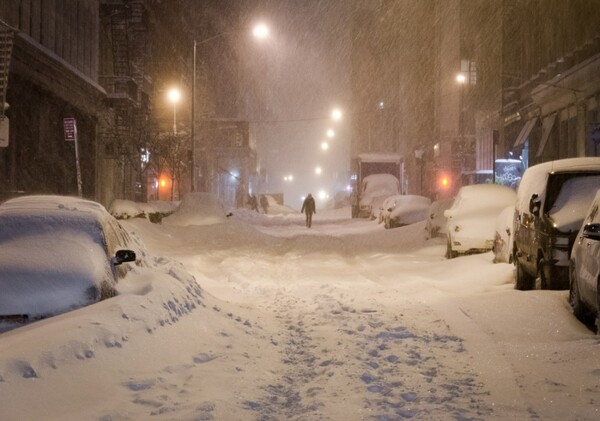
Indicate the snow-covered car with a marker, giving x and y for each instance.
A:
(472, 217)
(374, 190)
(399, 210)
(503, 239)
(436, 221)
(57, 254)
(584, 267)
(552, 201)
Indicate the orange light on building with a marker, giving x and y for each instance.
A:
(444, 182)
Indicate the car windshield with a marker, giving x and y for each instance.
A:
(44, 226)
(573, 194)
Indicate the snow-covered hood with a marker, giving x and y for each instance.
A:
(410, 209)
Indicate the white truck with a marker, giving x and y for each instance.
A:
(372, 181)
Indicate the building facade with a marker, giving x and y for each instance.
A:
(551, 84)
(474, 84)
(49, 73)
(108, 65)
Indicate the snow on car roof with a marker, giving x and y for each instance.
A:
(379, 185)
(535, 177)
(39, 216)
(380, 157)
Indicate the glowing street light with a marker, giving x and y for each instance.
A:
(261, 31)
(336, 114)
(330, 133)
(461, 78)
(324, 146)
(288, 178)
(318, 171)
(174, 95)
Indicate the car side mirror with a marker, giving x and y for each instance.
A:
(591, 231)
(534, 205)
(122, 256)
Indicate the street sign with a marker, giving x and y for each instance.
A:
(70, 126)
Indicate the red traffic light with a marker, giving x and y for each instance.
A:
(444, 182)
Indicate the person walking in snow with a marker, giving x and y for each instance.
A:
(308, 208)
(264, 203)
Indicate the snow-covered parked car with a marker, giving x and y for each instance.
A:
(553, 199)
(584, 267)
(436, 221)
(399, 210)
(472, 217)
(374, 190)
(57, 254)
(503, 239)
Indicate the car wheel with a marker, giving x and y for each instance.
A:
(579, 309)
(523, 281)
(540, 281)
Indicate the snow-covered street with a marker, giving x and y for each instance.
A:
(345, 321)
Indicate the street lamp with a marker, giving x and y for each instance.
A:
(260, 31)
(330, 133)
(336, 114)
(174, 95)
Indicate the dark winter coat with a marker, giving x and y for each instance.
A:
(309, 205)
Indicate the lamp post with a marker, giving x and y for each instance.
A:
(260, 31)
(419, 156)
(193, 131)
(461, 79)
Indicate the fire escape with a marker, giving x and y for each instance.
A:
(6, 41)
(124, 82)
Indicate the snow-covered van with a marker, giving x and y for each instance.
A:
(552, 201)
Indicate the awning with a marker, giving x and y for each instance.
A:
(525, 132)
(547, 125)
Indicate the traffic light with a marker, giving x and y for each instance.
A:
(444, 182)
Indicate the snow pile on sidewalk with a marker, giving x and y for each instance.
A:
(197, 209)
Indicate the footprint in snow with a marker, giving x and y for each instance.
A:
(203, 358)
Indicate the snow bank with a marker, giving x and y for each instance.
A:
(197, 209)
(125, 209)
